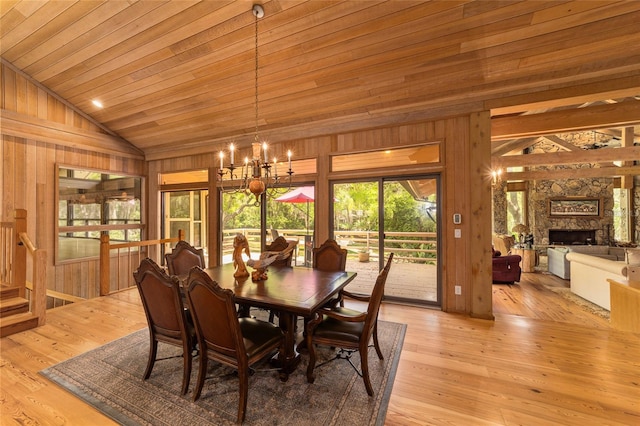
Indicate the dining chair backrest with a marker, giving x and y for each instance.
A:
(223, 337)
(166, 316)
(278, 245)
(215, 317)
(161, 300)
(183, 257)
(329, 257)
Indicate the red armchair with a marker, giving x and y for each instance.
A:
(506, 269)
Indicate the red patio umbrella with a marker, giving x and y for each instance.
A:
(302, 194)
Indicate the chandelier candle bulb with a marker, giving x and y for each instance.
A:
(289, 155)
(264, 150)
(231, 149)
(221, 155)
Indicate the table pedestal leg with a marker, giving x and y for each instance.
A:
(291, 355)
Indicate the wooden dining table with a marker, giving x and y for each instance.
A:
(291, 292)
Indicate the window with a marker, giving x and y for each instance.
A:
(516, 205)
(428, 153)
(91, 203)
(621, 222)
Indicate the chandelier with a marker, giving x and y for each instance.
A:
(255, 174)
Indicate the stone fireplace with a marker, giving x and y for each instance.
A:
(569, 237)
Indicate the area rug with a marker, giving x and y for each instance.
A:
(110, 379)
(582, 303)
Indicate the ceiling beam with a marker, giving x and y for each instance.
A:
(582, 156)
(561, 143)
(548, 123)
(605, 88)
(27, 127)
(502, 148)
(589, 173)
(57, 97)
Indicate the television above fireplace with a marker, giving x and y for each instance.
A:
(567, 237)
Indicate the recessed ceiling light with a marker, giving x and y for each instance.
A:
(97, 103)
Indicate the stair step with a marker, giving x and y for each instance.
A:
(7, 292)
(17, 323)
(12, 306)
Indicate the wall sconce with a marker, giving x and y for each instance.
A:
(496, 177)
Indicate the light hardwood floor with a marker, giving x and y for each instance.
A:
(542, 361)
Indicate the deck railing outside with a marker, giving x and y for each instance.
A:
(407, 246)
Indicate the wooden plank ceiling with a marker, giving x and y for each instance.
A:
(181, 73)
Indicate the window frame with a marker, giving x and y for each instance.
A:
(102, 228)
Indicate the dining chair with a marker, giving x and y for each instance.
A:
(280, 244)
(167, 319)
(348, 329)
(329, 257)
(225, 337)
(182, 258)
(332, 258)
(284, 246)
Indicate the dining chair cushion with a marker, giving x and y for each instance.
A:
(334, 329)
(258, 334)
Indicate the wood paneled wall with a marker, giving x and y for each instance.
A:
(466, 158)
(28, 181)
(29, 174)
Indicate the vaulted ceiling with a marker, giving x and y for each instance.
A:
(180, 75)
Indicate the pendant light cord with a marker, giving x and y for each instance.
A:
(256, 76)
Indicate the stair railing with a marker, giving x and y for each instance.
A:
(39, 283)
(15, 247)
(130, 254)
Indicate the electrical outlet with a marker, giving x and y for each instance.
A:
(458, 290)
(457, 233)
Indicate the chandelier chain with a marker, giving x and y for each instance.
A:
(255, 176)
(256, 75)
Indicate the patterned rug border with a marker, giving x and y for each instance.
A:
(123, 416)
(581, 302)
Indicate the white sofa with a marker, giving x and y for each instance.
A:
(559, 265)
(589, 276)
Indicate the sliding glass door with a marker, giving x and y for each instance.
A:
(374, 218)
(290, 214)
(282, 211)
(239, 215)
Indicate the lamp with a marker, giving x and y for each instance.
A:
(520, 229)
(259, 166)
